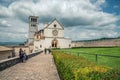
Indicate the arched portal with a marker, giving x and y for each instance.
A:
(54, 43)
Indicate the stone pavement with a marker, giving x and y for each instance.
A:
(40, 67)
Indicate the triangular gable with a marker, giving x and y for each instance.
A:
(55, 22)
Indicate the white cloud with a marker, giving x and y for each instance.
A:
(4, 23)
(99, 3)
(82, 18)
(87, 34)
(12, 37)
(5, 12)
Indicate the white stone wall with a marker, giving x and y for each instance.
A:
(31, 35)
(64, 43)
(37, 45)
(48, 30)
(57, 25)
(32, 28)
(60, 33)
(99, 43)
(49, 37)
(48, 33)
(47, 43)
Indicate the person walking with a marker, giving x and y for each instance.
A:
(49, 50)
(21, 55)
(24, 58)
(45, 50)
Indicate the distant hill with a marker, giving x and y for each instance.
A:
(10, 43)
(95, 39)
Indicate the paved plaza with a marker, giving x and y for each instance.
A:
(40, 67)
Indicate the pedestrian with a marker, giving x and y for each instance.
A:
(45, 50)
(49, 50)
(21, 55)
(24, 56)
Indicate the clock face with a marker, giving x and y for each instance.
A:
(55, 32)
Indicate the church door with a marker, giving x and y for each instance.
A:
(54, 43)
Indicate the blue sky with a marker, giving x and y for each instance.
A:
(82, 19)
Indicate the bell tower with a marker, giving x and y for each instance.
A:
(33, 27)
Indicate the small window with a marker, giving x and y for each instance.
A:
(37, 36)
(54, 25)
(33, 20)
(69, 45)
(40, 46)
(33, 25)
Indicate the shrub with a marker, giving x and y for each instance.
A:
(72, 67)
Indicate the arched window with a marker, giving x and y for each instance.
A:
(69, 45)
(37, 36)
(40, 46)
(33, 25)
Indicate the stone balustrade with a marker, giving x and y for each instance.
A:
(12, 61)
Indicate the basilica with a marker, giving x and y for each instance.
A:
(51, 36)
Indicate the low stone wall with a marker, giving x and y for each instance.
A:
(99, 43)
(5, 54)
(12, 61)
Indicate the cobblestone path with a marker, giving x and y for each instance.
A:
(40, 67)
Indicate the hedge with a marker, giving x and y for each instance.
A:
(72, 67)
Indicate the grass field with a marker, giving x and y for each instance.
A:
(102, 60)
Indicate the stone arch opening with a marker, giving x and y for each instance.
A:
(54, 43)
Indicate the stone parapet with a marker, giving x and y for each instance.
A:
(12, 61)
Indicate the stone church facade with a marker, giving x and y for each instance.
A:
(51, 36)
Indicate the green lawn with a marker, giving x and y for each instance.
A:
(102, 60)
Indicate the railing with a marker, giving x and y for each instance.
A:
(96, 55)
(12, 61)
